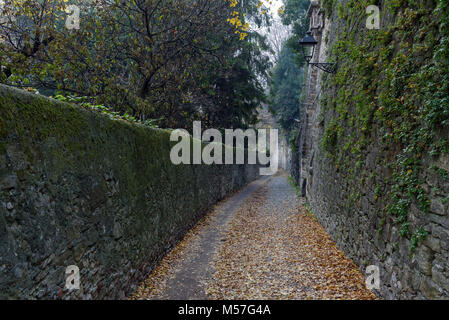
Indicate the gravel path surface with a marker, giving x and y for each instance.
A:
(260, 243)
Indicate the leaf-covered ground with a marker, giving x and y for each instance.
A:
(261, 243)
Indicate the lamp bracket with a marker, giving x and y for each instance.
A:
(326, 67)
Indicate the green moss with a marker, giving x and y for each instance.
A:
(3, 130)
(122, 170)
(78, 139)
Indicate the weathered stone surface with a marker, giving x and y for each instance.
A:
(351, 203)
(443, 162)
(433, 243)
(437, 207)
(79, 189)
(430, 289)
(440, 276)
(442, 221)
(423, 258)
(8, 182)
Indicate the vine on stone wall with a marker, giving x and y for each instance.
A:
(391, 90)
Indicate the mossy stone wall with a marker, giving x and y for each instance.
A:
(77, 188)
(379, 163)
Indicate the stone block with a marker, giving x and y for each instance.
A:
(433, 243)
(443, 162)
(423, 257)
(437, 207)
(430, 289)
(8, 182)
(440, 277)
(441, 220)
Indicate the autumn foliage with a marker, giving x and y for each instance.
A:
(171, 60)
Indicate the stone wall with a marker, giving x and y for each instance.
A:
(360, 226)
(267, 121)
(360, 231)
(77, 188)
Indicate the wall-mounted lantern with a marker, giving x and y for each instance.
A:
(308, 45)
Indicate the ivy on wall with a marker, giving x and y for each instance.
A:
(391, 90)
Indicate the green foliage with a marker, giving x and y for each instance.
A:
(176, 60)
(286, 85)
(328, 6)
(113, 115)
(295, 15)
(443, 173)
(445, 200)
(417, 238)
(331, 135)
(390, 91)
(288, 75)
(292, 139)
(381, 227)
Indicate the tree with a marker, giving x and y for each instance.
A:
(174, 60)
(278, 34)
(295, 15)
(286, 85)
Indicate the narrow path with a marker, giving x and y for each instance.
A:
(260, 243)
